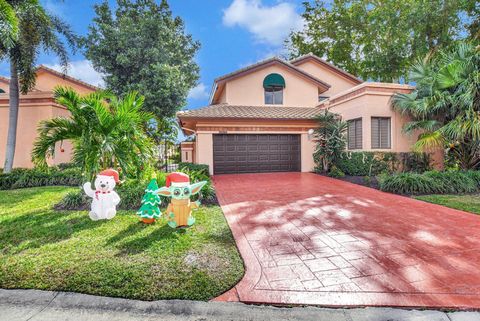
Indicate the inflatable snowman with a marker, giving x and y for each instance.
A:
(105, 199)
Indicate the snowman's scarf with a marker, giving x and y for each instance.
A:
(100, 192)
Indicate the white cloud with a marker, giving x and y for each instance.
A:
(83, 70)
(199, 92)
(270, 25)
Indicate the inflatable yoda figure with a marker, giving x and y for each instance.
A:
(179, 210)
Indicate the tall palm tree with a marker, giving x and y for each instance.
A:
(105, 132)
(445, 106)
(37, 30)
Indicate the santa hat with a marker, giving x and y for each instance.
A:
(110, 172)
(177, 180)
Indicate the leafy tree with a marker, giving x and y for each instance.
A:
(105, 131)
(331, 142)
(445, 106)
(141, 46)
(37, 30)
(377, 40)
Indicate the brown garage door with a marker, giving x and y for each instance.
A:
(248, 153)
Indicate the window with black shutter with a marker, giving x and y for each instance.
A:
(355, 134)
(381, 132)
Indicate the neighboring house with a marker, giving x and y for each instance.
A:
(37, 105)
(261, 118)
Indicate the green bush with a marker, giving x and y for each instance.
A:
(194, 167)
(375, 163)
(415, 162)
(363, 164)
(431, 182)
(336, 172)
(407, 183)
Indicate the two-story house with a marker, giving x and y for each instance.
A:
(261, 118)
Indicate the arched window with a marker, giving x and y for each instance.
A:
(274, 85)
(2, 91)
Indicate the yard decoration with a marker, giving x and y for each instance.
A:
(105, 199)
(149, 210)
(179, 210)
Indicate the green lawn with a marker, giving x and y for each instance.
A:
(469, 203)
(45, 249)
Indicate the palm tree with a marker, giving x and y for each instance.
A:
(8, 25)
(445, 105)
(37, 30)
(330, 136)
(105, 132)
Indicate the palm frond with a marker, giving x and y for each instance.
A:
(429, 142)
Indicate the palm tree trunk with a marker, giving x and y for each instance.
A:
(12, 118)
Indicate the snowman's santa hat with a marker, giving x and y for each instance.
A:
(177, 180)
(110, 172)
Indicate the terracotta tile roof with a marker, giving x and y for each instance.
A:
(269, 61)
(65, 76)
(59, 74)
(257, 112)
(298, 60)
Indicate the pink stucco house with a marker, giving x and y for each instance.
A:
(260, 118)
(39, 104)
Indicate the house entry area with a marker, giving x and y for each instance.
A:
(256, 153)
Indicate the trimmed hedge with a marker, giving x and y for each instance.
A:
(22, 177)
(375, 163)
(432, 182)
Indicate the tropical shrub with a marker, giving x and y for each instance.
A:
(194, 167)
(445, 105)
(375, 163)
(335, 172)
(106, 132)
(362, 163)
(432, 182)
(331, 141)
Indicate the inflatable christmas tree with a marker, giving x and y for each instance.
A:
(149, 210)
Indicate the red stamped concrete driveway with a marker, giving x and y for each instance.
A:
(309, 239)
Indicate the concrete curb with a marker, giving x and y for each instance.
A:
(36, 305)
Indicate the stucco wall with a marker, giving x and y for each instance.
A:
(204, 150)
(308, 148)
(337, 82)
(47, 82)
(28, 118)
(248, 89)
(370, 105)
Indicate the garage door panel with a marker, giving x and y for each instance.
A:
(247, 153)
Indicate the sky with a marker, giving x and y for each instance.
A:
(232, 33)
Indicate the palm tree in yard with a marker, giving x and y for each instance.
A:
(330, 137)
(105, 132)
(36, 30)
(445, 106)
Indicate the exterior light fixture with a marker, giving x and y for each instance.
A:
(310, 133)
